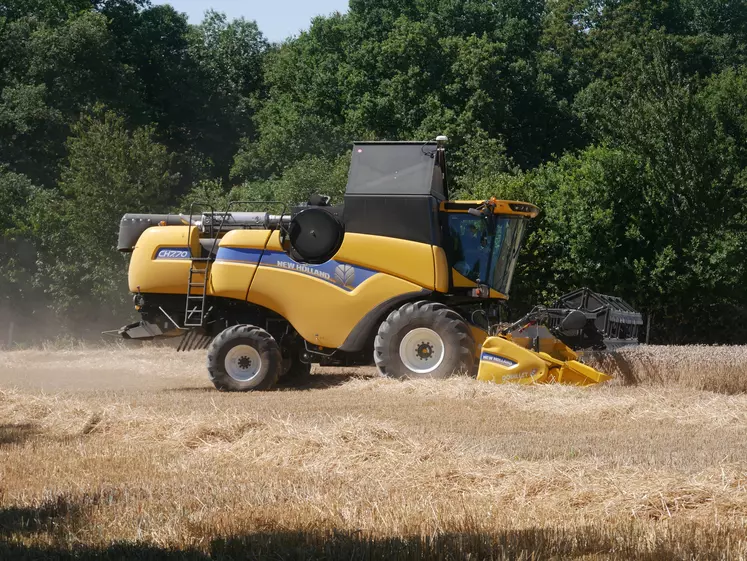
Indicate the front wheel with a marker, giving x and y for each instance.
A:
(244, 358)
(424, 340)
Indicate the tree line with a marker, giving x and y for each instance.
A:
(624, 120)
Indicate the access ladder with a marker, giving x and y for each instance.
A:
(199, 271)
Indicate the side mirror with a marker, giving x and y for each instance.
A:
(574, 321)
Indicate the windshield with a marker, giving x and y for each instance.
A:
(477, 254)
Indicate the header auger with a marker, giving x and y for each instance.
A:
(398, 276)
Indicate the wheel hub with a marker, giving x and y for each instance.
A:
(242, 363)
(422, 350)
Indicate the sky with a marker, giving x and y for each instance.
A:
(277, 19)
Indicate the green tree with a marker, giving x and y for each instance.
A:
(408, 70)
(110, 171)
(623, 119)
(310, 175)
(229, 58)
(17, 255)
(657, 216)
(52, 69)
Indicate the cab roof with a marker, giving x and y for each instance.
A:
(397, 168)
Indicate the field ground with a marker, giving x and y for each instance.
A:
(129, 453)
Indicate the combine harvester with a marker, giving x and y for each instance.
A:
(399, 276)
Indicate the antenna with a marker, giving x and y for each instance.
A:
(441, 141)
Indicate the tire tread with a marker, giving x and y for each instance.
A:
(436, 313)
(265, 343)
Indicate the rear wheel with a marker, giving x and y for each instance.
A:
(424, 340)
(244, 358)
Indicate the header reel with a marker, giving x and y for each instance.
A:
(584, 320)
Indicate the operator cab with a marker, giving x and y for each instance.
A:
(483, 253)
(400, 190)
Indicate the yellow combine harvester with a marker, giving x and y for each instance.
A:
(398, 276)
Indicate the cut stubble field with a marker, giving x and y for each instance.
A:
(130, 453)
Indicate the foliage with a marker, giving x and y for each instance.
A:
(108, 169)
(306, 177)
(625, 120)
(16, 255)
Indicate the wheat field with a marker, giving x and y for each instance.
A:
(128, 453)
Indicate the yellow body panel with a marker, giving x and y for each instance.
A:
(503, 360)
(573, 372)
(577, 374)
(230, 279)
(322, 313)
(479, 335)
(460, 281)
(405, 259)
(441, 270)
(319, 308)
(246, 238)
(151, 274)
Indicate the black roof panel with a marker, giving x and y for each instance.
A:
(395, 168)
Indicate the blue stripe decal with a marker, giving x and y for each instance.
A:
(239, 254)
(497, 359)
(343, 275)
(173, 253)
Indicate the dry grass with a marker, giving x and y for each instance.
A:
(720, 369)
(130, 454)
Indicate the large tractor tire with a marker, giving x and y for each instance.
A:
(424, 340)
(244, 358)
